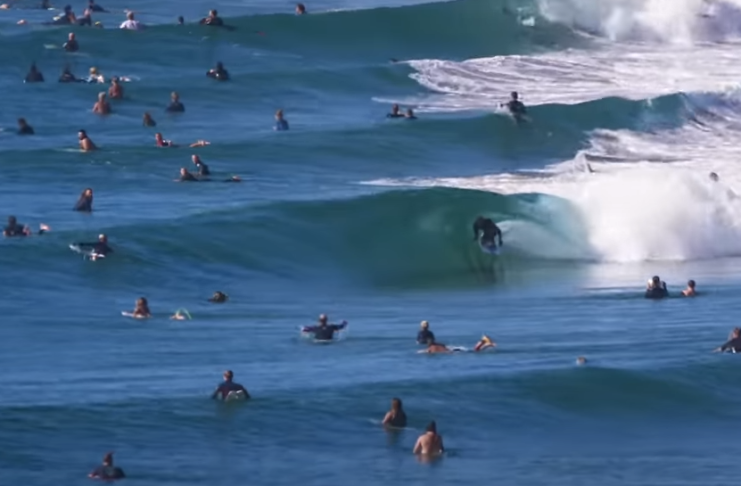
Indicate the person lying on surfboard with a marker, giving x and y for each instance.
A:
(324, 331)
(486, 231)
(100, 247)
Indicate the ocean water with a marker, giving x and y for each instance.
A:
(369, 219)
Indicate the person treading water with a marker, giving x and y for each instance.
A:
(107, 471)
(424, 336)
(486, 232)
(324, 331)
(395, 417)
(228, 386)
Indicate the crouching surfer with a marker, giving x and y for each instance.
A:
(486, 232)
(324, 331)
(228, 386)
(656, 289)
(107, 471)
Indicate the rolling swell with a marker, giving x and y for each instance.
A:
(463, 28)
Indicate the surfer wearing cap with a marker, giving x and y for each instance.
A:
(85, 203)
(656, 289)
(15, 229)
(430, 443)
(86, 145)
(733, 345)
(228, 386)
(324, 331)
(395, 417)
(425, 335)
(100, 247)
(107, 471)
(486, 231)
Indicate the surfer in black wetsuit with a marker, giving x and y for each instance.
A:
(212, 19)
(100, 247)
(396, 416)
(324, 331)
(15, 229)
(486, 231)
(107, 471)
(85, 203)
(203, 170)
(34, 75)
(219, 297)
(656, 289)
(515, 106)
(24, 128)
(425, 335)
(227, 386)
(219, 73)
(175, 106)
(733, 345)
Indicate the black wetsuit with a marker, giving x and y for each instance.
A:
(99, 248)
(656, 293)
(175, 107)
(84, 204)
(34, 77)
(16, 229)
(108, 473)
(425, 336)
(71, 46)
(226, 387)
(203, 169)
(516, 107)
(26, 130)
(488, 230)
(733, 345)
(85, 21)
(68, 77)
(325, 332)
(218, 74)
(188, 178)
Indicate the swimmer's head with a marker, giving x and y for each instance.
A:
(655, 280)
(581, 360)
(101, 96)
(300, 8)
(88, 192)
(103, 239)
(174, 96)
(108, 459)
(220, 66)
(228, 375)
(691, 284)
(514, 95)
(396, 404)
(410, 112)
(81, 134)
(94, 71)
(71, 36)
(213, 13)
(485, 339)
(130, 15)
(323, 318)
(714, 176)
(181, 20)
(142, 302)
(11, 220)
(67, 9)
(424, 324)
(395, 109)
(196, 159)
(279, 114)
(158, 135)
(218, 297)
(432, 427)
(22, 122)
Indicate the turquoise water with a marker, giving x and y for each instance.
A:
(368, 219)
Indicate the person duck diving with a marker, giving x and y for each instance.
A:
(486, 232)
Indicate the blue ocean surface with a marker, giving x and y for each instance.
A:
(368, 219)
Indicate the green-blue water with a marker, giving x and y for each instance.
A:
(366, 219)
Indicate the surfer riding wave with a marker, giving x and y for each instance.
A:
(487, 232)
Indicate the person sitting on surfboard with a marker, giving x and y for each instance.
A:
(98, 248)
(425, 335)
(486, 231)
(656, 289)
(324, 331)
(107, 471)
(15, 229)
(228, 386)
(396, 416)
(141, 309)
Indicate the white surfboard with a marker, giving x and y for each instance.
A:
(85, 253)
(234, 396)
(131, 314)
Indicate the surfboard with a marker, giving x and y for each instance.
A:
(235, 396)
(85, 253)
(490, 249)
(131, 314)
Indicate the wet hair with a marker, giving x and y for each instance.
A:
(396, 404)
(432, 427)
(11, 220)
(181, 20)
(691, 284)
(22, 121)
(82, 131)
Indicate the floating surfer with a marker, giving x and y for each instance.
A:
(487, 233)
(229, 388)
(16, 229)
(324, 331)
(141, 309)
(107, 471)
(24, 128)
(516, 107)
(395, 417)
